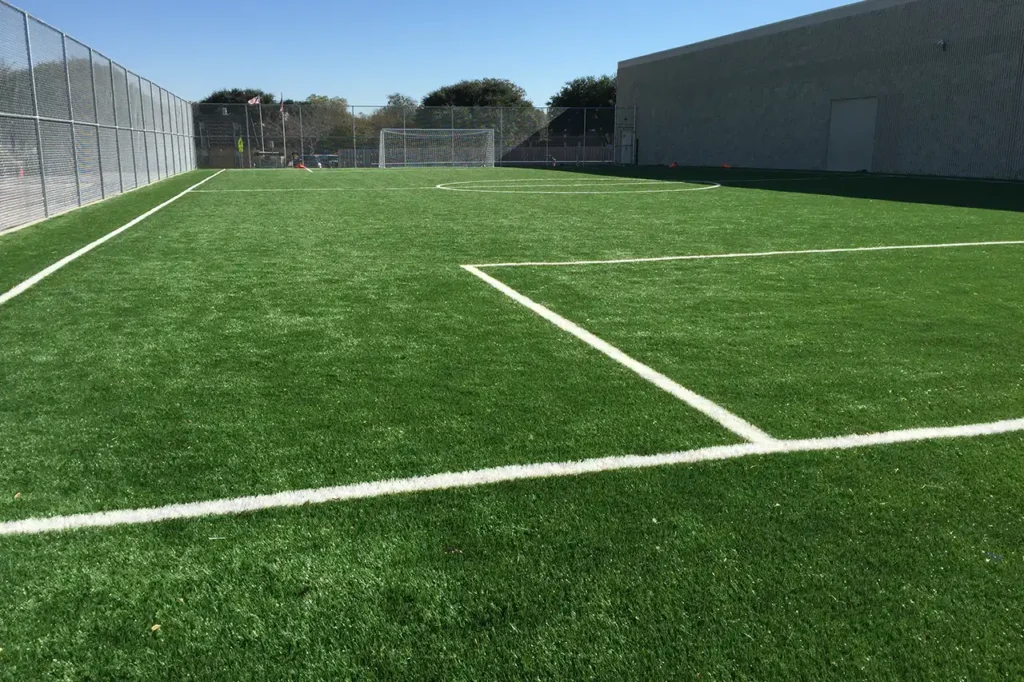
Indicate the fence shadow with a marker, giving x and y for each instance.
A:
(993, 195)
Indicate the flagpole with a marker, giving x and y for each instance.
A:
(284, 135)
(263, 142)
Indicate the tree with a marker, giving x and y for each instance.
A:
(588, 91)
(483, 92)
(327, 122)
(239, 96)
(397, 100)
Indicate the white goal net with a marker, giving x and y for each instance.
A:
(401, 147)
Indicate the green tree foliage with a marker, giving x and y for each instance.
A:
(483, 92)
(239, 96)
(588, 91)
(326, 123)
(397, 100)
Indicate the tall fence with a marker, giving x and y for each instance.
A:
(76, 127)
(335, 134)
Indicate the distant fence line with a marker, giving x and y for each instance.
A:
(335, 135)
(76, 127)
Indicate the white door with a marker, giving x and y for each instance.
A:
(851, 136)
(626, 146)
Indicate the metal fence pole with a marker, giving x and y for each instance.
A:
(71, 113)
(354, 163)
(302, 141)
(405, 143)
(35, 113)
(584, 135)
(117, 138)
(131, 124)
(145, 135)
(547, 135)
(501, 133)
(96, 110)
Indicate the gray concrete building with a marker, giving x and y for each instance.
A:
(928, 87)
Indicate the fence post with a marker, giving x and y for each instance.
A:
(302, 141)
(35, 113)
(131, 124)
(405, 141)
(584, 135)
(145, 135)
(354, 162)
(117, 138)
(501, 133)
(96, 125)
(71, 113)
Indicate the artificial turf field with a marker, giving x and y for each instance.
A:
(286, 332)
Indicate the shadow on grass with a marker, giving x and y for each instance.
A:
(1000, 196)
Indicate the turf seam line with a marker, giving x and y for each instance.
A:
(503, 474)
(759, 254)
(49, 270)
(724, 417)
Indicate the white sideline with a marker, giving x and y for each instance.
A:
(733, 422)
(46, 272)
(468, 479)
(12, 230)
(759, 254)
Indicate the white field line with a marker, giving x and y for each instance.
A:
(469, 479)
(734, 423)
(542, 183)
(759, 254)
(312, 189)
(12, 230)
(309, 170)
(46, 272)
(700, 188)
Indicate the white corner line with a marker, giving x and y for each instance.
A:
(469, 479)
(309, 170)
(734, 423)
(46, 272)
(758, 254)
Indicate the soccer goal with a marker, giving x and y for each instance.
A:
(400, 147)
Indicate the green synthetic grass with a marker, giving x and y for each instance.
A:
(26, 252)
(813, 345)
(249, 342)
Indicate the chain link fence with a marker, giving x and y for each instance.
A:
(337, 135)
(76, 127)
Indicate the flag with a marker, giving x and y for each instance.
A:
(254, 100)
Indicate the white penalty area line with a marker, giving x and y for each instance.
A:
(757, 254)
(724, 417)
(46, 272)
(470, 479)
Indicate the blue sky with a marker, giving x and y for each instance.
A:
(364, 50)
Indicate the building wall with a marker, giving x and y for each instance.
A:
(763, 98)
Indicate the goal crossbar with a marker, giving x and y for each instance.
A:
(410, 147)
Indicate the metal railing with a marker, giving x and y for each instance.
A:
(336, 134)
(75, 126)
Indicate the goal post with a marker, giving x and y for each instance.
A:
(412, 147)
